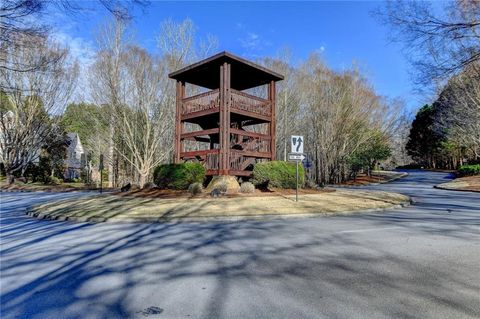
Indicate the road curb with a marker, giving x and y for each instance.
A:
(453, 189)
(32, 213)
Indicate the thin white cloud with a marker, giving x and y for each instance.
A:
(83, 52)
(251, 41)
(80, 49)
(320, 50)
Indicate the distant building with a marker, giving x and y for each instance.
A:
(73, 162)
(7, 122)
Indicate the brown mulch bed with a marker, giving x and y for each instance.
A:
(168, 193)
(364, 179)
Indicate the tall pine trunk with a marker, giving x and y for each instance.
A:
(110, 154)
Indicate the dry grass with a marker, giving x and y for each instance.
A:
(176, 194)
(469, 183)
(115, 208)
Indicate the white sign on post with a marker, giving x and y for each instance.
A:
(296, 157)
(297, 144)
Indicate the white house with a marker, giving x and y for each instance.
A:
(7, 123)
(73, 162)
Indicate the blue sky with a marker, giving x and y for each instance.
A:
(343, 32)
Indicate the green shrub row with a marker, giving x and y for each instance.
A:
(469, 170)
(277, 174)
(178, 176)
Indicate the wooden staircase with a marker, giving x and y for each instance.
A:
(243, 150)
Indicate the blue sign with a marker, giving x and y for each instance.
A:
(307, 163)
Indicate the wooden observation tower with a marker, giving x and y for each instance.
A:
(221, 121)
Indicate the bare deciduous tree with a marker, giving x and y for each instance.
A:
(287, 102)
(107, 83)
(440, 43)
(19, 23)
(144, 121)
(459, 111)
(140, 96)
(342, 113)
(32, 101)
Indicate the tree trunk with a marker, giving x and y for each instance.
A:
(10, 178)
(142, 179)
(110, 155)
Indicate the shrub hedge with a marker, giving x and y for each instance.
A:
(178, 176)
(247, 187)
(469, 170)
(195, 188)
(277, 174)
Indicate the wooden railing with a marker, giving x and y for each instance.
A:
(211, 161)
(258, 145)
(239, 162)
(251, 144)
(246, 102)
(238, 101)
(201, 102)
(236, 161)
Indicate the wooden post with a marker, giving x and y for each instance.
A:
(224, 119)
(178, 120)
(271, 98)
(222, 159)
(227, 117)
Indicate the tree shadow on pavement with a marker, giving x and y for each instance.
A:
(275, 268)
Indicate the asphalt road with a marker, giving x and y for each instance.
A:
(422, 261)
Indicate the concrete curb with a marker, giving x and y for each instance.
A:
(32, 213)
(454, 189)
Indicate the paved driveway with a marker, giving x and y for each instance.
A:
(421, 261)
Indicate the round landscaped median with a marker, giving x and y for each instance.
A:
(110, 207)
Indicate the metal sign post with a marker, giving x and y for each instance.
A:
(100, 167)
(296, 190)
(296, 155)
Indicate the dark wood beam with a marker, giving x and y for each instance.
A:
(271, 97)
(200, 133)
(251, 114)
(200, 113)
(211, 172)
(197, 139)
(240, 173)
(250, 134)
(199, 153)
(252, 154)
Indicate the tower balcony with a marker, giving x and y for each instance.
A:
(241, 103)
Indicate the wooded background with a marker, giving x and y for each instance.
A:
(128, 107)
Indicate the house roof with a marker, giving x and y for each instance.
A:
(244, 74)
(74, 142)
(72, 136)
